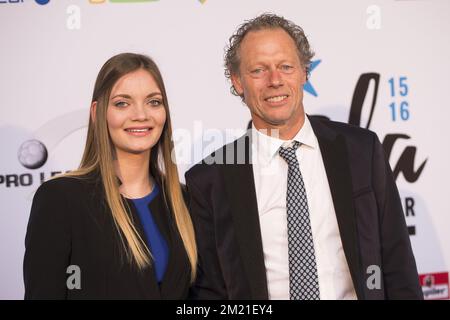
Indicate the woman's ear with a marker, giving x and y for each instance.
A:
(93, 111)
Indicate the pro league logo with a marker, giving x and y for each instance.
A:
(32, 154)
(35, 151)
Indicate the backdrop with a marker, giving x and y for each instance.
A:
(380, 64)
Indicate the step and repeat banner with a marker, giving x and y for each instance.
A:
(379, 64)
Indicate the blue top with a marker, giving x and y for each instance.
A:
(155, 240)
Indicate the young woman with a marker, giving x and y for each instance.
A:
(118, 227)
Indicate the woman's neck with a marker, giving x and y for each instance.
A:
(134, 173)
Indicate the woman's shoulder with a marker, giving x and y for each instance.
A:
(60, 196)
(66, 185)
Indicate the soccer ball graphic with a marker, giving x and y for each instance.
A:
(32, 154)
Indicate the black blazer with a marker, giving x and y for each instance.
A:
(70, 224)
(366, 200)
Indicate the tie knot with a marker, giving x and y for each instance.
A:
(288, 154)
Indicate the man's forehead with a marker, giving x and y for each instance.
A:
(266, 36)
(276, 42)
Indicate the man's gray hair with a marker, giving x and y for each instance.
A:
(261, 22)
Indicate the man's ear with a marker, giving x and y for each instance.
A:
(236, 81)
(305, 76)
(93, 111)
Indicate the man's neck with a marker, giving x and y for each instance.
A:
(285, 131)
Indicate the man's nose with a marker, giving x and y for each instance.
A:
(275, 78)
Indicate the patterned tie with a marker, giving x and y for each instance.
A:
(303, 279)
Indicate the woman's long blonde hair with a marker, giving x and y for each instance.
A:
(98, 157)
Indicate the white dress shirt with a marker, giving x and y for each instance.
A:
(270, 172)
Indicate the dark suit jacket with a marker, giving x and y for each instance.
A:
(70, 224)
(366, 200)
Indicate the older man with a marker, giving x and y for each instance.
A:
(312, 210)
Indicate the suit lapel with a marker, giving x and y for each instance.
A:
(240, 188)
(335, 159)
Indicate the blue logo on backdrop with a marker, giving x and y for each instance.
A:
(11, 1)
(308, 87)
(41, 2)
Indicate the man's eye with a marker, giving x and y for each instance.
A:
(155, 102)
(121, 104)
(286, 67)
(257, 71)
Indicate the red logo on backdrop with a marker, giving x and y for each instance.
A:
(435, 285)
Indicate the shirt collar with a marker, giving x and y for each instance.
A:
(268, 146)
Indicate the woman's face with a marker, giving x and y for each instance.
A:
(136, 113)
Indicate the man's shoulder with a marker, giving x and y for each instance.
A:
(234, 152)
(350, 132)
(340, 127)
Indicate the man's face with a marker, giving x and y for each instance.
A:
(271, 79)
